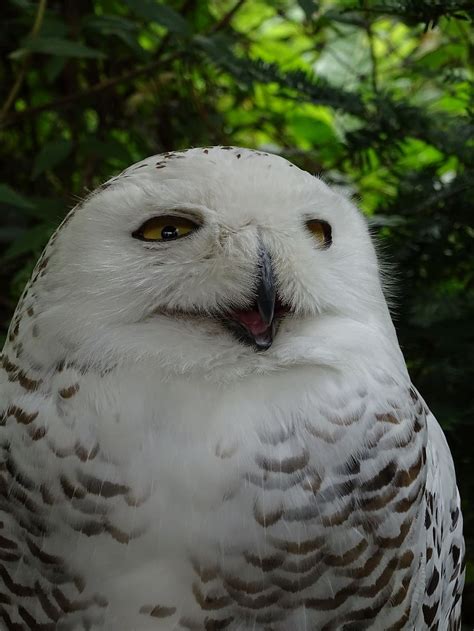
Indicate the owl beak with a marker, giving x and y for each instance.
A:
(266, 292)
(256, 325)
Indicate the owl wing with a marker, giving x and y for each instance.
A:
(38, 456)
(22, 523)
(444, 539)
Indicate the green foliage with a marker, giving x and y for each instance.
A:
(375, 95)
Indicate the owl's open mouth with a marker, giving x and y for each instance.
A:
(255, 326)
(258, 324)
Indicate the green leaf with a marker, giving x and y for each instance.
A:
(18, 54)
(59, 47)
(53, 26)
(166, 16)
(52, 154)
(309, 7)
(312, 130)
(10, 233)
(109, 24)
(11, 198)
(113, 25)
(53, 68)
(22, 4)
(390, 221)
(32, 241)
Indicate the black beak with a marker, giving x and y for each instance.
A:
(266, 297)
(256, 325)
(266, 292)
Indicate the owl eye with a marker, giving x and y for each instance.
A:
(165, 228)
(321, 231)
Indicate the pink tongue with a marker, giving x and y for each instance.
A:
(252, 320)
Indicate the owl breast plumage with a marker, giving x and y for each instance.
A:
(207, 422)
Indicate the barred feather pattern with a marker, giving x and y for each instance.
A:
(325, 540)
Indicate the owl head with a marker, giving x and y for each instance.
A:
(212, 258)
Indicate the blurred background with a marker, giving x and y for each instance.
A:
(377, 97)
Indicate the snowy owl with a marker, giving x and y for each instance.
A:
(207, 422)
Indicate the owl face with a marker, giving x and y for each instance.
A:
(213, 254)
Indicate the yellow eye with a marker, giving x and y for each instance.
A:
(321, 231)
(165, 228)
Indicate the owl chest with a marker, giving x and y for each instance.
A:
(274, 520)
(218, 465)
(273, 454)
(227, 471)
(245, 502)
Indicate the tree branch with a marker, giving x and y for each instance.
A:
(24, 67)
(78, 96)
(225, 19)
